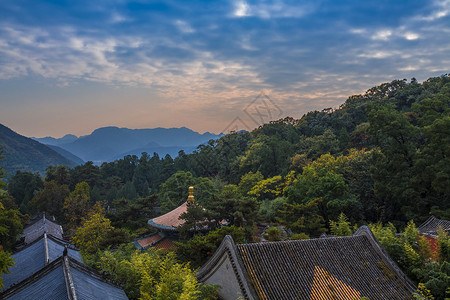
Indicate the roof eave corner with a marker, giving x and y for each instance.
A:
(228, 247)
(226, 244)
(365, 231)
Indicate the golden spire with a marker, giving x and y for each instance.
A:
(191, 194)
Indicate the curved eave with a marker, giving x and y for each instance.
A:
(162, 227)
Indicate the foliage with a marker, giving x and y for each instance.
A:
(248, 181)
(269, 209)
(60, 174)
(76, 205)
(198, 249)
(341, 227)
(444, 245)
(132, 214)
(273, 234)
(9, 229)
(11, 226)
(303, 218)
(92, 233)
(410, 252)
(5, 263)
(23, 186)
(51, 199)
(152, 275)
(174, 191)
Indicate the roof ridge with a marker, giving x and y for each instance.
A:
(62, 242)
(91, 272)
(365, 231)
(428, 221)
(229, 247)
(296, 241)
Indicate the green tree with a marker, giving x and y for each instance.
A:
(5, 263)
(76, 205)
(5, 259)
(303, 217)
(199, 248)
(324, 179)
(248, 181)
(153, 275)
(60, 174)
(50, 199)
(341, 227)
(273, 234)
(23, 186)
(132, 214)
(92, 233)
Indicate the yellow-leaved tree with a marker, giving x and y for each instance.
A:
(93, 231)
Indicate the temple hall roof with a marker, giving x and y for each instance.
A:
(35, 256)
(431, 226)
(149, 240)
(43, 225)
(64, 278)
(171, 220)
(326, 268)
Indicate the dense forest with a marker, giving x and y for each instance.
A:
(382, 158)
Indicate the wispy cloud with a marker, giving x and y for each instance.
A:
(205, 55)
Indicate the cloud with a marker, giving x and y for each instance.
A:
(241, 9)
(382, 35)
(207, 56)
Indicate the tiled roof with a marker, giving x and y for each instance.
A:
(62, 279)
(35, 256)
(171, 220)
(43, 225)
(155, 241)
(431, 226)
(326, 268)
(166, 244)
(148, 241)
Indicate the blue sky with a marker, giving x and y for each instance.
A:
(73, 66)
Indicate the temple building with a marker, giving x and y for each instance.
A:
(338, 268)
(40, 225)
(48, 267)
(64, 278)
(167, 226)
(429, 229)
(35, 256)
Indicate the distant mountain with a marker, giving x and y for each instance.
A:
(67, 154)
(68, 138)
(24, 154)
(111, 143)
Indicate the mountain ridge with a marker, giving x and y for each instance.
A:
(108, 143)
(25, 154)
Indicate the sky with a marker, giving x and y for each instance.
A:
(74, 66)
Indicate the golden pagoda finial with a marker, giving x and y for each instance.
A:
(191, 194)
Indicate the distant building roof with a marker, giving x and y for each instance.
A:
(42, 225)
(327, 268)
(166, 244)
(35, 256)
(149, 240)
(171, 220)
(155, 241)
(431, 226)
(64, 278)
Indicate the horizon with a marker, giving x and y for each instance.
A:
(210, 67)
(112, 126)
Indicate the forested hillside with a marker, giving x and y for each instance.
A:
(381, 157)
(24, 154)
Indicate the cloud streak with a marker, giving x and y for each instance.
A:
(202, 55)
